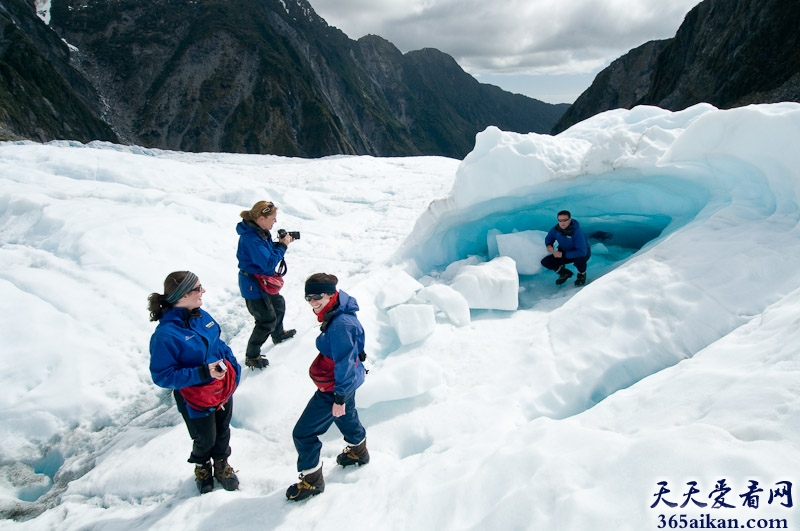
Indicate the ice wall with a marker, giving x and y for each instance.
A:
(609, 177)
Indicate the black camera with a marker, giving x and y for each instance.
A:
(293, 233)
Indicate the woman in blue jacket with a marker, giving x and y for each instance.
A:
(188, 356)
(337, 371)
(259, 257)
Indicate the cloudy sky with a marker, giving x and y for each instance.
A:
(547, 49)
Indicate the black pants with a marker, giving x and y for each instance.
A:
(268, 311)
(211, 434)
(553, 263)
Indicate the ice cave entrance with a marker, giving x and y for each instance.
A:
(620, 212)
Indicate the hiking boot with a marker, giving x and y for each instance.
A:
(203, 477)
(286, 334)
(580, 280)
(563, 275)
(259, 362)
(354, 455)
(309, 485)
(225, 474)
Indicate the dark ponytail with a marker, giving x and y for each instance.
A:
(157, 303)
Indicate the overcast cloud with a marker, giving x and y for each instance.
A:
(538, 40)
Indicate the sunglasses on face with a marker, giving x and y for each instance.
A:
(198, 288)
(563, 220)
(316, 297)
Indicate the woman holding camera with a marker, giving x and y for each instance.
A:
(188, 356)
(259, 257)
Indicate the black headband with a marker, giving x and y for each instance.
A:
(313, 288)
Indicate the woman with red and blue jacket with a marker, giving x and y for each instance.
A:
(337, 371)
(258, 258)
(188, 356)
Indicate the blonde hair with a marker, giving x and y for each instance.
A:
(262, 208)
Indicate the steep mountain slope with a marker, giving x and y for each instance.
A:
(447, 100)
(621, 85)
(726, 52)
(267, 76)
(41, 95)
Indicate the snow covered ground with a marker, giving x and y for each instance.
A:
(672, 377)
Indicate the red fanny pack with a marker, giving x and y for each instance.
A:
(271, 284)
(321, 372)
(212, 394)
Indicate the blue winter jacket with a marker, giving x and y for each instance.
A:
(182, 346)
(257, 254)
(573, 246)
(342, 341)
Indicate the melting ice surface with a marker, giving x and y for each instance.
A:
(677, 362)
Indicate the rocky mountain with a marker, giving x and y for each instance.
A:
(728, 53)
(252, 76)
(621, 85)
(42, 97)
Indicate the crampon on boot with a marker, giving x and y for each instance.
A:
(563, 275)
(259, 362)
(203, 477)
(580, 280)
(354, 455)
(225, 474)
(286, 334)
(309, 485)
